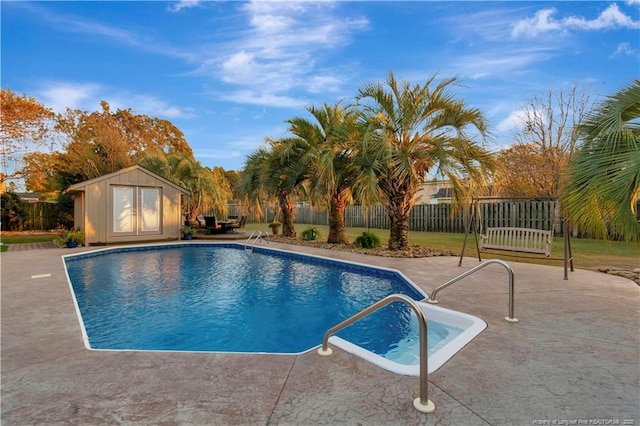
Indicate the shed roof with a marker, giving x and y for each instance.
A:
(81, 186)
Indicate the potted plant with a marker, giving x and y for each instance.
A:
(72, 238)
(188, 232)
(275, 226)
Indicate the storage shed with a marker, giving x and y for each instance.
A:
(130, 205)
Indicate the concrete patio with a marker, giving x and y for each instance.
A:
(574, 358)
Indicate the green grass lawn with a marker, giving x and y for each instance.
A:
(587, 253)
(26, 237)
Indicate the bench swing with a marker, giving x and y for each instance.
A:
(510, 240)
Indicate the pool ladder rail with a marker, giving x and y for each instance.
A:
(422, 403)
(254, 238)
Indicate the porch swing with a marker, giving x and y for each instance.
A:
(513, 239)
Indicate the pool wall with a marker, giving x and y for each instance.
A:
(471, 325)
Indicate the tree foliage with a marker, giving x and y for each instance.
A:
(414, 130)
(543, 144)
(208, 189)
(523, 172)
(604, 178)
(328, 165)
(274, 173)
(104, 142)
(12, 211)
(25, 125)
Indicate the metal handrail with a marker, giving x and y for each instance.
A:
(510, 318)
(422, 403)
(258, 236)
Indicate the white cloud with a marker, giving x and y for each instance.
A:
(611, 17)
(183, 4)
(544, 22)
(60, 96)
(540, 23)
(515, 120)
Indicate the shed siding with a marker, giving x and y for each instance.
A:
(93, 208)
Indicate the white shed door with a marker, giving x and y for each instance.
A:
(136, 210)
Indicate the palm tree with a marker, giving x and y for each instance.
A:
(604, 179)
(206, 189)
(415, 130)
(251, 186)
(330, 168)
(274, 172)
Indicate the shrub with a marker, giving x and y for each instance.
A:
(13, 212)
(310, 234)
(64, 211)
(368, 240)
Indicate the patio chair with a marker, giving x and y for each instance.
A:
(213, 227)
(238, 224)
(201, 222)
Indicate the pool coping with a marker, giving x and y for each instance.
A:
(573, 356)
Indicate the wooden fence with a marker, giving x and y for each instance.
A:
(40, 216)
(434, 217)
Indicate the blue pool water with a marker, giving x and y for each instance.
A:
(223, 298)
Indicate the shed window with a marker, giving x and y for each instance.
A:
(136, 210)
(150, 209)
(123, 213)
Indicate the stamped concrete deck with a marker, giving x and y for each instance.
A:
(573, 358)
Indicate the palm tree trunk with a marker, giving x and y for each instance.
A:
(337, 228)
(399, 209)
(288, 213)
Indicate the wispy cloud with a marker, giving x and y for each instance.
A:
(281, 51)
(105, 32)
(625, 49)
(544, 21)
(262, 98)
(500, 61)
(87, 96)
(183, 4)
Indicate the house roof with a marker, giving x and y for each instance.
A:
(81, 186)
(443, 193)
(27, 196)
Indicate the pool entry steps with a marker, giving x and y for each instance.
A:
(422, 403)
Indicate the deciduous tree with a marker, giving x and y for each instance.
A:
(544, 143)
(25, 127)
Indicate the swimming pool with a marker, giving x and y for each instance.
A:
(217, 297)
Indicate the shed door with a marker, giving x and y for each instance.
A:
(136, 210)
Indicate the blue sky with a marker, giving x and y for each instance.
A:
(228, 74)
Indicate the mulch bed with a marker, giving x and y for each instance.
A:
(411, 251)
